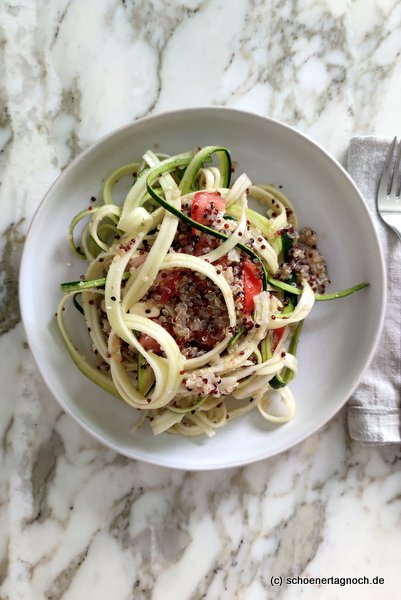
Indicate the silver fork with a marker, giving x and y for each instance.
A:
(388, 189)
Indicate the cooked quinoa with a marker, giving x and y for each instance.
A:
(193, 309)
(305, 261)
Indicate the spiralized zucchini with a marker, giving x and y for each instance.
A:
(184, 380)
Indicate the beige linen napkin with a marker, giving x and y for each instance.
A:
(374, 412)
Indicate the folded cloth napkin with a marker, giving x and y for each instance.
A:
(374, 410)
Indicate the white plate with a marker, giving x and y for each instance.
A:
(338, 338)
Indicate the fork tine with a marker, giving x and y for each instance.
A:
(386, 178)
(396, 183)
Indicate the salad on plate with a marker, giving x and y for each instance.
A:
(195, 293)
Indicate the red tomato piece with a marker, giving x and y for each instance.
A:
(149, 343)
(252, 284)
(203, 205)
(277, 334)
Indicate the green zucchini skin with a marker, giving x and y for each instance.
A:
(277, 284)
(72, 286)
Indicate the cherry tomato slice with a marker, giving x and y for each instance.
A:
(252, 284)
(150, 343)
(277, 334)
(203, 205)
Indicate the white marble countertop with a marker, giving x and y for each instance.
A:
(78, 521)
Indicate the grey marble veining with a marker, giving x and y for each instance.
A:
(76, 520)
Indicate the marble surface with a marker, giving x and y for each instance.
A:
(78, 521)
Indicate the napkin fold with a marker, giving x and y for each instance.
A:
(374, 410)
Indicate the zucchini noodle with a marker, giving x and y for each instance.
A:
(193, 301)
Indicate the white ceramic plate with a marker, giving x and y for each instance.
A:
(337, 340)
